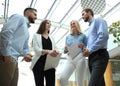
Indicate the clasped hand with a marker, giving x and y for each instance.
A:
(53, 53)
(27, 58)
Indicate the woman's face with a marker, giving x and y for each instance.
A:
(73, 26)
(48, 25)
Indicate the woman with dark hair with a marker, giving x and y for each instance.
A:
(43, 45)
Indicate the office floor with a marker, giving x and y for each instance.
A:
(25, 74)
(26, 77)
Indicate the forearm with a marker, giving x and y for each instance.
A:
(6, 42)
(45, 52)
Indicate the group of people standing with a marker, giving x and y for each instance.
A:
(14, 43)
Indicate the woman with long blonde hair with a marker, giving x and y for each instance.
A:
(76, 62)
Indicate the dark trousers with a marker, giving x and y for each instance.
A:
(97, 65)
(42, 76)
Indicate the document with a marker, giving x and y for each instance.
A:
(52, 62)
(74, 50)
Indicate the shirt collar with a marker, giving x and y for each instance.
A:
(78, 34)
(91, 21)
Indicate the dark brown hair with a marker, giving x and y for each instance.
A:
(29, 9)
(88, 10)
(42, 26)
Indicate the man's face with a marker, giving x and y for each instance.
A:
(32, 17)
(85, 16)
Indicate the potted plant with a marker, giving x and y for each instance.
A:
(114, 29)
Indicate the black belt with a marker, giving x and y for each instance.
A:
(100, 50)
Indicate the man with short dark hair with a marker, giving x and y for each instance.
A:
(14, 43)
(96, 50)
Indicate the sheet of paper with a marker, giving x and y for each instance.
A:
(52, 62)
(74, 50)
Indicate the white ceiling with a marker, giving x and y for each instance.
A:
(61, 12)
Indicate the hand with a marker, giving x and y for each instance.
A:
(86, 52)
(81, 45)
(5, 58)
(53, 53)
(27, 58)
(66, 48)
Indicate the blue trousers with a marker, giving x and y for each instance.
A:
(97, 62)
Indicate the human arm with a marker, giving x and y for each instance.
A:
(8, 34)
(66, 45)
(27, 55)
(83, 44)
(97, 35)
(37, 45)
(102, 35)
(53, 53)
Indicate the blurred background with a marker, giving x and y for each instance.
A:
(60, 12)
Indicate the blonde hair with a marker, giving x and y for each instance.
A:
(77, 26)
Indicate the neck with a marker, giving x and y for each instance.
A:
(75, 33)
(45, 33)
(90, 18)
